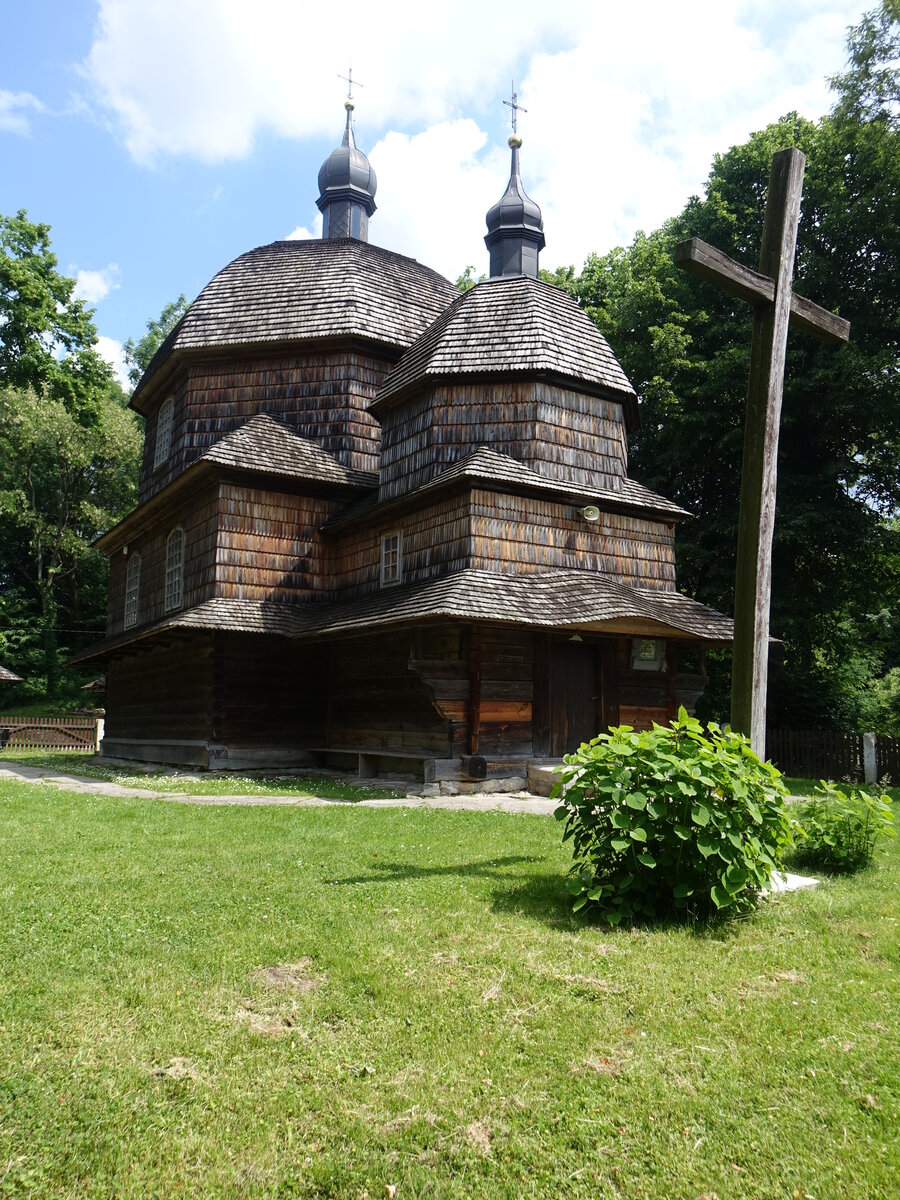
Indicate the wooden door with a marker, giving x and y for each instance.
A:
(574, 696)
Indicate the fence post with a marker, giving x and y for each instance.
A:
(870, 766)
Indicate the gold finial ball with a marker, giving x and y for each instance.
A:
(349, 105)
(514, 142)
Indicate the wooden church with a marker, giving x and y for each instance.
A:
(387, 526)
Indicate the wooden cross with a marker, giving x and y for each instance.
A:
(515, 106)
(776, 306)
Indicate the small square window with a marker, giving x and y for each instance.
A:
(648, 654)
(391, 558)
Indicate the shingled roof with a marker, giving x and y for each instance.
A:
(265, 445)
(552, 599)
(487, 466)
(567, 599)
(7, 676)
(511, 326)
(298, 291)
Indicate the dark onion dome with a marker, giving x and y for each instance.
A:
(512, 327)
(515, 235)
(304, 291)
(346, 188)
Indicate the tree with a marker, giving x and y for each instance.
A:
(468, 279)
(685, 346)
(46, 335)
(62, 483)
(138, 354)
(68, 456)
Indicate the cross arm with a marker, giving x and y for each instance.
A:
(706, 262)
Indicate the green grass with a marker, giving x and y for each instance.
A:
(806, 787)
(155, 778)
(461, 1034)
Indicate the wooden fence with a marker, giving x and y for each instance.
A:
(887, 760)
(78, 732)
(837, 756)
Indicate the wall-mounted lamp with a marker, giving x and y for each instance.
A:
(125, 550)
(590, 512)
(576, 637)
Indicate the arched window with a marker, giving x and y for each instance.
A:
(132, 590)
(163, 433)
(174, 569)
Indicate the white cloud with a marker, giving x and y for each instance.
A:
(94, 286)
(301, 233)
(111, 350)
(203, 77)
(626, 106)
(14, 111)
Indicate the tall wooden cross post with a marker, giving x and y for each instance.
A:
(770, 291)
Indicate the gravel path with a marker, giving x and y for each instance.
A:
(496, 802)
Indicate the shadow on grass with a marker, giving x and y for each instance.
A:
(540, 897)
(546, 898)
(385, 872)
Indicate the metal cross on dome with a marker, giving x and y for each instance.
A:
(348, 79)
(515, 106)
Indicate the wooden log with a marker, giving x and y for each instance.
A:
(756, 522)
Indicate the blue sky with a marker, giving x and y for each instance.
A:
(161, 138)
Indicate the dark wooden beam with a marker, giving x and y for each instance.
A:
(706, 262)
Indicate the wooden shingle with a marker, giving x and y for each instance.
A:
(510, 326)
(304, 291)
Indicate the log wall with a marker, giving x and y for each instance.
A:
(197, 514)
(378, 701)
(269, 692)
(645, 696)
(563, 435)
(323, 395)
(162, 691)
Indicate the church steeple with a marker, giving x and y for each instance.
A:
(515, 235)
(346, 188)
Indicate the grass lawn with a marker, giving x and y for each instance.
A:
(160, 779)
(447, 1027)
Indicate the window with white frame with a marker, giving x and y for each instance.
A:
(391, 557)
(163, 446)
(132, 590)
(174, 569)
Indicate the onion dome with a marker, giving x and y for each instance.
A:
(515, 235)
(347, 188)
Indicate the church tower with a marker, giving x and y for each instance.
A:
(515, 235)
(346, 188)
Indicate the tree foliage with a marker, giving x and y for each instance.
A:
(685, 346)
(138, 354)
(68, 459)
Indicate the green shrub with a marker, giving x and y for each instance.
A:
(676, 819)
(835, 831)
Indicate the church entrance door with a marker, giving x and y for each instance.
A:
(574, 696)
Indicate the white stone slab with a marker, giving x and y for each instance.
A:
(784, 881)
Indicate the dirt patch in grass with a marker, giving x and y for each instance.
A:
(177, 1068)
(479, 1138)
(270, 1024)
(296, 976)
